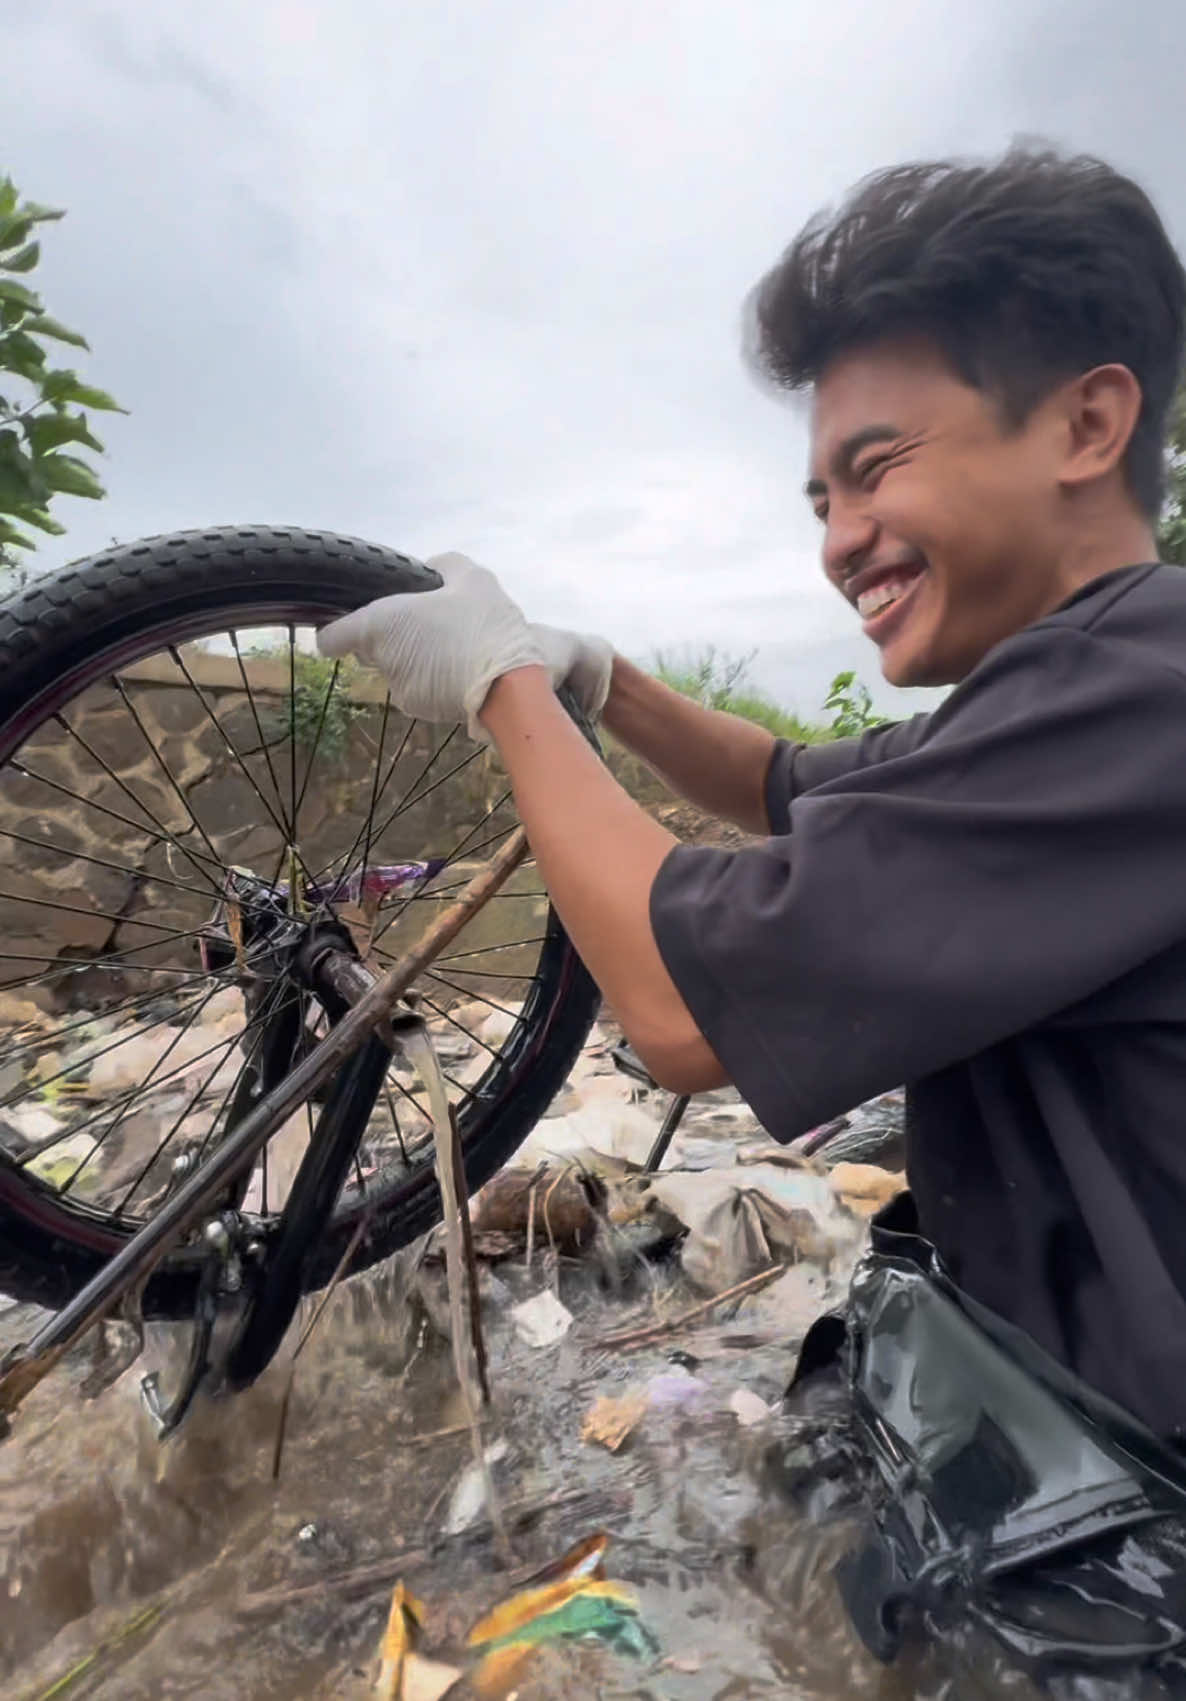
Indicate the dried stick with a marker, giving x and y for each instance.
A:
(656, 1331)
(471, 1263)
(359, 1579)
(419, 1046)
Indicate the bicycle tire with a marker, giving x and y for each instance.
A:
(76, 624)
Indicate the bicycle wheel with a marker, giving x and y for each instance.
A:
(179, 770)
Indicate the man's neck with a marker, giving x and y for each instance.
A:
(1124, 540)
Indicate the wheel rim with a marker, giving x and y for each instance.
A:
(275, 731)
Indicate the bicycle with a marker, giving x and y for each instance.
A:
(200, 816)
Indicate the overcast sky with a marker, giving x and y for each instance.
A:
(467, 275)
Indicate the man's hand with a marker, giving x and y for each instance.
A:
(582, 663)
(440, 651)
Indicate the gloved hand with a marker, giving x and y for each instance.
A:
(440, 651)
(581, 662)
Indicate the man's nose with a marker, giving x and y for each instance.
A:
(849, 539)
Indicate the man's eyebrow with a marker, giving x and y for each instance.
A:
(847, 453)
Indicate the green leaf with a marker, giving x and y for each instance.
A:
(37, 214)
(24, 260)
(41, 325)
(51, 430)
(8, 197)
(21, 479)
(39, 517)
(10, 535)
(21, 488)
(14, 231)
(10, 291)
(63, 386)
(20, 354)
(70, 476)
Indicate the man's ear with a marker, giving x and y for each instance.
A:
(1100, 409)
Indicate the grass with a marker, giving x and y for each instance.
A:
(720, 681)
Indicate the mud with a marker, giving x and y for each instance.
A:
(100, 1524)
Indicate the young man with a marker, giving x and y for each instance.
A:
(988, 903)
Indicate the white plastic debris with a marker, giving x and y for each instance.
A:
(542, 1320)
(469, 1497)
(748, 1408)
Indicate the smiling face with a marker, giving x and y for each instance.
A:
(944, 527)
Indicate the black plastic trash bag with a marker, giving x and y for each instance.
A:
(999, 1490)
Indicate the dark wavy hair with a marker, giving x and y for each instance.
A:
(1023, 273)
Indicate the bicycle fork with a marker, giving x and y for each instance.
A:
(368, 1028)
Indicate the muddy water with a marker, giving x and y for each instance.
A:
(98, 1522)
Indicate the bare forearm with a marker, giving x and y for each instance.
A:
(598, 853)
(716, 760)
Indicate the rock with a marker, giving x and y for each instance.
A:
(18, 1012)
(165, 1053)
(496, 1027)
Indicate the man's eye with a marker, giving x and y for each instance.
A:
(821, 514)
(873, 469)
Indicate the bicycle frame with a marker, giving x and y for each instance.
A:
(369, 1015)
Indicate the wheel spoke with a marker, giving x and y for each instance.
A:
(370, 816)
(489, 950)
(424, 884)
(195, 1099)
(170, 777)
(224, 1044)
(101, 862)
(505, 974)
(348, 858)
(411, 800)
(410, 1096)
(147, 1082)
(292, 734)
(403, 1150)
(69, 966)
(469, 992)
(263, 743)
(233, 753)
(51, 1041)
(460, 1026)
(37, 1088)
(411, 796)
(105, 915)
(126, 820)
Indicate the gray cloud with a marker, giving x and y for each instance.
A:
(466, 276)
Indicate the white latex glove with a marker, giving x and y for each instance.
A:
(581, 662)
(440, 651)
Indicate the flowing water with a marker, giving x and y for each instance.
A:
(187, 1571)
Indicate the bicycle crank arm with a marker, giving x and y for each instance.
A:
(25, 1366)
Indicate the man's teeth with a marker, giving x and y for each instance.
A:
(880, 596)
